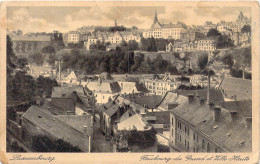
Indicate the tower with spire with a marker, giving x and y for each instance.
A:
(115, 23)
(155, 19)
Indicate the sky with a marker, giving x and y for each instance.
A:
(64, 19)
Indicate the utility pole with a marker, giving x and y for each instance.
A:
(128, 63)
(59, 70)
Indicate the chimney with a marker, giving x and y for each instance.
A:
(211, 104)
(216, 113)
(118, 112)
(208, 95)
(190, 97)
(234, 115)
(248, 122)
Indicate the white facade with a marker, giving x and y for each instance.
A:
(103, 97)
(73, 37)
(205, 45)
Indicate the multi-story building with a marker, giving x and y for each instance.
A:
(205, 45)
(28, 44)
(166, 31)
(199, 126)
(72, 37)
(103, 90)
(160, 87)
(242, 20)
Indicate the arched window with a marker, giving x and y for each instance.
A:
(208, 147)
(203, 144)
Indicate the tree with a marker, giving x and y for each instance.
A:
(132, 45)
(22, 62)
(44, 85)
(48, 50)
(213, 33)
(228, 60)
(224, 41)
(42, 143)
(246, 29)
(203, 61)
(22, 87)
(10, 56)
(137, 62)
(172, 69)
(37, 58)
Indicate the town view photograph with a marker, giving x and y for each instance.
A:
(128, 79)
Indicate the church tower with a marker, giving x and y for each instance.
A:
(155, 19)
(115, 23)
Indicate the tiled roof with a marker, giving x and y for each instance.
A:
(37, 38)
(151, 101)
(109, 87)
(237, 88)
(215, 94)
(226, 133)
(58, 92)
(78, 122)
(243, 107)
(49, 123)
(162, 117)
(131, 122)
(111, 108)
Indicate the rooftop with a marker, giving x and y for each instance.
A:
(109, 87)
(37, 38)
(131, 122)
(226, 132)
(55, 127)
(151, 101)
(237, 88)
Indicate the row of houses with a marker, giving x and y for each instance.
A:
(114, 38)
(191, 120)
(197, 45)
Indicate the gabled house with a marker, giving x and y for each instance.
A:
(103, 90)
(69, 100)
(76, 130)
(68, 77)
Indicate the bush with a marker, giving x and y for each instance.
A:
(143, 138)
(163, 148)
(45, 144)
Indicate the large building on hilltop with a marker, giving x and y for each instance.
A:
(28, 44)
(166, 31)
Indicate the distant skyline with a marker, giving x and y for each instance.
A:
(64, 19)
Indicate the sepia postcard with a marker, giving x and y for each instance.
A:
(129, 82)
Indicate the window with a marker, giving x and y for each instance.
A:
(208, 147)
(194, 136)
(172, 121)
(188, 145)
(203, 144)
(216, 150)
(197, 138)
(194, 149)
(172, 132)
(180, 138)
